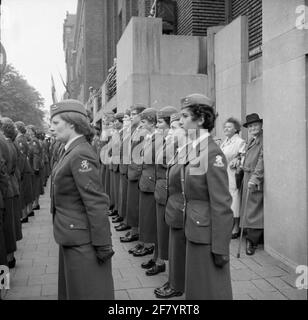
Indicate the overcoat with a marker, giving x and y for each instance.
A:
(80, 223)
(208, 220)
(231, 148)
(253, 167)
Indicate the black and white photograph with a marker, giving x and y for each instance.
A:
(155, 151)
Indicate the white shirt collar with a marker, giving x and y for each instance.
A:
(71, 141)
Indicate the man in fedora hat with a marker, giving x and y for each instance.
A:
(253, 167)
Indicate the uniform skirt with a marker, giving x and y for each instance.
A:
(111, 191)
(122, 196)
(107, 181)
(162, 232)
(26, 186)
(17, 217)
(3, 253)
(176, 257)
(9, 226)
(203, 280)
(116, 184)
(147, 217)
(76, 262)
(132, 209)
(103, 175)
(36, 183)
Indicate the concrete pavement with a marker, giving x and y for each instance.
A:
(259, 277)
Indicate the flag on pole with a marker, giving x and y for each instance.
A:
(53, 91)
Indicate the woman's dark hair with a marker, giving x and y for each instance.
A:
(167, 120)
(206, 113)
(80, 122)
(236, 123)
(8, 128)
(21, 127)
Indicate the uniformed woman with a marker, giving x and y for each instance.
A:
(81, 224)
(175, 286)
(133, 175)
(122, 204)
(208, 218)
(232, 147)
(147, 204)
(157, 264)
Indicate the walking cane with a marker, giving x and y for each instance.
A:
(242, 229)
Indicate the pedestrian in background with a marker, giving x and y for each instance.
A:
(232, 147)
(81, 225)
(252, 188)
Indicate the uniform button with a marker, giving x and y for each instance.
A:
(198, 222)
(71, 226)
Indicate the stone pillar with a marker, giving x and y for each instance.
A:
(285, 88)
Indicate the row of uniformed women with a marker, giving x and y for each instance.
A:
(24, 172)
(180, 211)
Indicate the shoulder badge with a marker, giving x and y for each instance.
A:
(218, 162)
(84, 166)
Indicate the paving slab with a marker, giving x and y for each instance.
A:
(257, 277)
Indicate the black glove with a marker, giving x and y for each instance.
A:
(220, 260)
(103, 253)
(37, 172)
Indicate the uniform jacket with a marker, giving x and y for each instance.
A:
(208, 215)
(3, 178)
(13, 168)
(116, 145)
(79, 204)
(253, 167)
(164, 154)
(134, 168)
(124, 151)
(174, 213)
(36, 154)
(147, 178)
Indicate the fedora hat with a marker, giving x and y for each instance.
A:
(251, 118)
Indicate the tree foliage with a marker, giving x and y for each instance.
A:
(18, 100)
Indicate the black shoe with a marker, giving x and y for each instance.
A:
(127, 234)
(123, 227)
(163, 287)
(137, 247)
(113, 213)
(235, 235)
(250, 248)
(117, 219)
(156, 269)
(168, 293)
(131, 238)
(31, 214)
(24, 220)
(37, 208)
(148, 265)
(143, 252)
(12, 263)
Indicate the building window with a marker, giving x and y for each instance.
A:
(253, 10)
